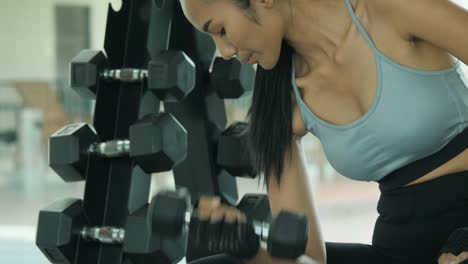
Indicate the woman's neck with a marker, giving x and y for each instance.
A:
(317, 29)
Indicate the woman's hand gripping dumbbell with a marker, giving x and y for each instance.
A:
(221, 229)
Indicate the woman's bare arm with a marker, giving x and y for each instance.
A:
(294, 194)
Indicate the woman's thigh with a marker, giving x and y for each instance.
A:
(337, 253)
(354, 253)
(414, 222)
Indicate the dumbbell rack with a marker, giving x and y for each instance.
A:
(116, 189)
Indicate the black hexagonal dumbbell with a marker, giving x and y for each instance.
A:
(286, 234)
(170, 76)
(58, 230)
(63, 223)
(157, 143)
(169, 210)
(231, 78)
(86, 71)
(233, 154)
(158, 229)
(154, 233)
(163, 219)
(256, 206)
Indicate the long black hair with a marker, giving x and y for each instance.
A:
(270, 117)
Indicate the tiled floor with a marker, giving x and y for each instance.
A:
(346, 210)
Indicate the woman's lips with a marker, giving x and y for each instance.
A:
(246, 59)
(250, 59)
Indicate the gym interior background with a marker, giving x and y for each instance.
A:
(38, 39)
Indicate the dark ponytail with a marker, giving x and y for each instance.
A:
(270, 117)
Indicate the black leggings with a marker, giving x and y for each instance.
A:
(413, 224)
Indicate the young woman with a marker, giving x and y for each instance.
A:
(379, 83)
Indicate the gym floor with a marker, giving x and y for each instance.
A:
(341, 204)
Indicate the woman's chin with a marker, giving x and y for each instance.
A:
(269, 64)
(266, 67)
(263, 65)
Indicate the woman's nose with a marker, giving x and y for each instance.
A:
(227, 50)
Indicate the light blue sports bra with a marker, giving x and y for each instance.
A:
(415, 114)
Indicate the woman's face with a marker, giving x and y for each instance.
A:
(253, 35)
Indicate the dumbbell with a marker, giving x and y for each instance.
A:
(231, 78)
(170, 75)
(157, 142)
(233, 153)
(256, 206)
(62, 224)
(286, 235)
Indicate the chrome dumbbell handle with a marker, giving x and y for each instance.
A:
(261, 229)
(105, 234)
(128, 75)
(110, 149)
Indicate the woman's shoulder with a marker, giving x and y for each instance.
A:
(385, 12)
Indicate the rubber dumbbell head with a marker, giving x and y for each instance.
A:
(232, 78)
(171, 75)
(68, 151)
(158, 142)
(233, 155)
(85, 71)
(168, 211)
(256, 206)
(288, 235)
(58, 230)
(159, 228)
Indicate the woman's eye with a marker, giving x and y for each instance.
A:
(222, 33)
